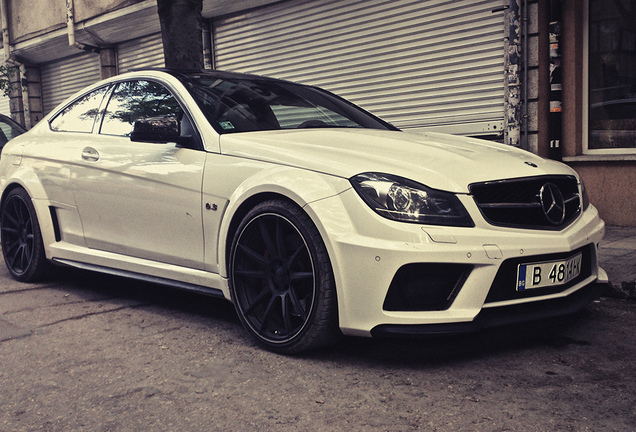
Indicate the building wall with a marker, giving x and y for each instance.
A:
(610, 186)
(86, 9)
(27, 18)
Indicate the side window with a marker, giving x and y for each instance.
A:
(135, 100)
(81, 114)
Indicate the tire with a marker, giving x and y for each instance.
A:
(281, 279)
(22, 245)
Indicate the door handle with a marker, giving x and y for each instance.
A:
(90, 154)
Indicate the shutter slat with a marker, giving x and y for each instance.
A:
(145, 52)
(62, 78)
(5, 106)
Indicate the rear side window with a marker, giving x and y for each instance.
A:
(80, 115)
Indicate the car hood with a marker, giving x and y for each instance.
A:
(439, 161)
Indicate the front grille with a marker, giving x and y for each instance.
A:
(547, 202)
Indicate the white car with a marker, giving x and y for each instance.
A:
(312, 216)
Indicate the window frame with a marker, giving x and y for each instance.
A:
(586, 96)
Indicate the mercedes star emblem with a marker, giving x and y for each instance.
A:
(552, 203)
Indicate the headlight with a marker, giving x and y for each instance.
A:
(404, 200)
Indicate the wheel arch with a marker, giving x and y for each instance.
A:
(238, 216)
(8, 189)
(26, 179)
(296, 186)
(25, 255)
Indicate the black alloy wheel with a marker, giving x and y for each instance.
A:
(281, 279)
(22, 245)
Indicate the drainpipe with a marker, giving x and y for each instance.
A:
(70, 29)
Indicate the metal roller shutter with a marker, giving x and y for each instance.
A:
(62, 78)
(4, 100)
(4, 105)
(145, 52)
(415, 63)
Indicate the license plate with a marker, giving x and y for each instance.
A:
(548, 274)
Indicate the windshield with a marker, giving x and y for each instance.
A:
(255, 104)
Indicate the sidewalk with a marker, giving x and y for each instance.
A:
(617, 254)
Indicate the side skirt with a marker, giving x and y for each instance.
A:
(142, 277)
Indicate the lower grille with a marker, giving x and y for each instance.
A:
(425, 286)
(547, 202)
(504, 287)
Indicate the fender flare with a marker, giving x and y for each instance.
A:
(294, 184)
(26, 179)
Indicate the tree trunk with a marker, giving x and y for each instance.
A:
(181, 33)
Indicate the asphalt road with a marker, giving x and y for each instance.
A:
(86, 352)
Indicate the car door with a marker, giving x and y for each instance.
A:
(48, 156)
(136, 198)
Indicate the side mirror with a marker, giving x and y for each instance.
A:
(156, 130)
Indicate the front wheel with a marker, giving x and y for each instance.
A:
(281, 279)
(22, 245)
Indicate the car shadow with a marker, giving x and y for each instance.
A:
(421, 351)
(104, 286)
(436, 350)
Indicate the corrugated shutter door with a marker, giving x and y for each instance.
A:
(4, 100)
(145, 52)
(5, 107)
(62, 78)
(414, 63)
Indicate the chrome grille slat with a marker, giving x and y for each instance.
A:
(510, 205)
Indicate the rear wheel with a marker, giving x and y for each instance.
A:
(281, 279)
(22, 245)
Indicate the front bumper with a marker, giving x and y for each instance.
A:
(367, 251)
(499, 316)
